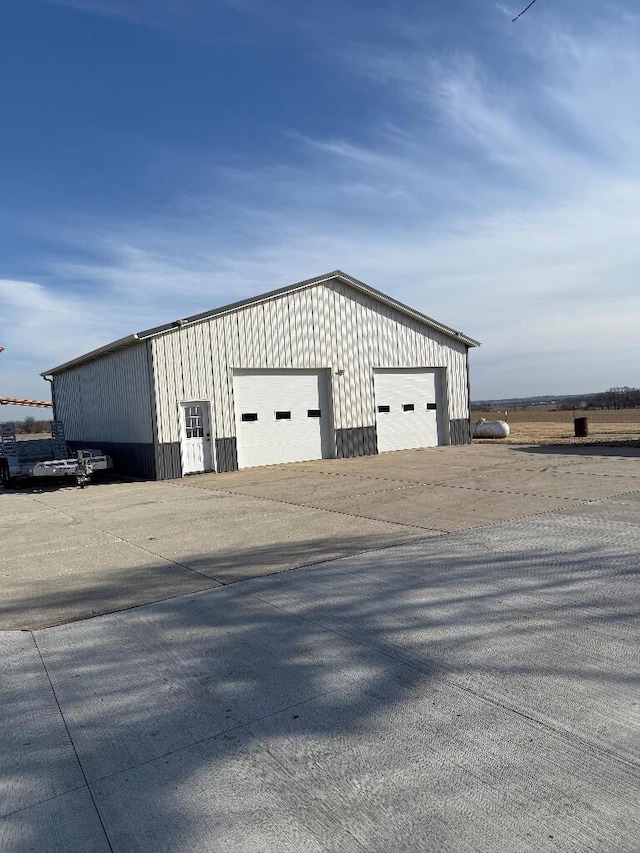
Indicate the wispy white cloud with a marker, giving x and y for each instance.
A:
(503, 205)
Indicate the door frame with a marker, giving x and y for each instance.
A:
(210, 455)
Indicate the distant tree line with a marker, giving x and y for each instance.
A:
(622, 397)
(30, 425)
(616, 398)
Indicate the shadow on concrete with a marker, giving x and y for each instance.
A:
(45, 485)
(611, 448)
(264, 713)
(29, 605)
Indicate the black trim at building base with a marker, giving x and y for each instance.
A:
(168, 460)
(226, 454)
(460, 431)
(358, 441)
(133, 459)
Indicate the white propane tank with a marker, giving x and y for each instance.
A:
(490, 429)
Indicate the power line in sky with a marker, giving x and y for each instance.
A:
(523, 11)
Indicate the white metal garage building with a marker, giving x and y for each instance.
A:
(327, 367)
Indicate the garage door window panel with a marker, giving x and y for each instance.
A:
(293, 413)
(402, 425)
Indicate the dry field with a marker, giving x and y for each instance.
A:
(32, 436)
(543, 425)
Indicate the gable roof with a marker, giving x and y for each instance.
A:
(336, 275)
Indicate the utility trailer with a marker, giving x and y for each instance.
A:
(21, 461)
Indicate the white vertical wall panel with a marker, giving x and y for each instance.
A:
(329, 325)
(108, 399)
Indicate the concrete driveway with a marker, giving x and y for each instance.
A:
(71, 554)
(474, 688)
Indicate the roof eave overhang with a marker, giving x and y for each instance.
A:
(114, 346)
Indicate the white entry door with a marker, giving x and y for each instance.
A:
(406, 409)
(281, 416)
(197, 454)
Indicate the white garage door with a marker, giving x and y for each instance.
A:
(406, 413)
(281, 416)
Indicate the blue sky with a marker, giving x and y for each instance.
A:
(163, 157)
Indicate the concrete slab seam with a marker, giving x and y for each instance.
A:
(542, 512)
(329, 560)
(221, 584)
(446, 678)
(364, 477)
(544, 724)
(329, 511)
(66, 727)
(42, 802)
(569, 501)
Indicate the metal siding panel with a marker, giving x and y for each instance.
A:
(136, 459)
(363, 364)
(174, 376)
(225, 398)
(294, 327)
(255, 340)
(210, 345)
(269, 348)
(311, 341)
(300, 331)
(161, 389)
(287, 339)
(231, 344)
(108, 399)
(352, 385)
(272, 334)
(259, 336)
(168, 378)
(346, 360)
(356, 357)
(357, 441)
(244, 339)
(303, 329)
(191, 386)
(152, 394)
(335, 319)
(372, 350)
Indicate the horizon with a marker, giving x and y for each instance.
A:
(162, 160)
